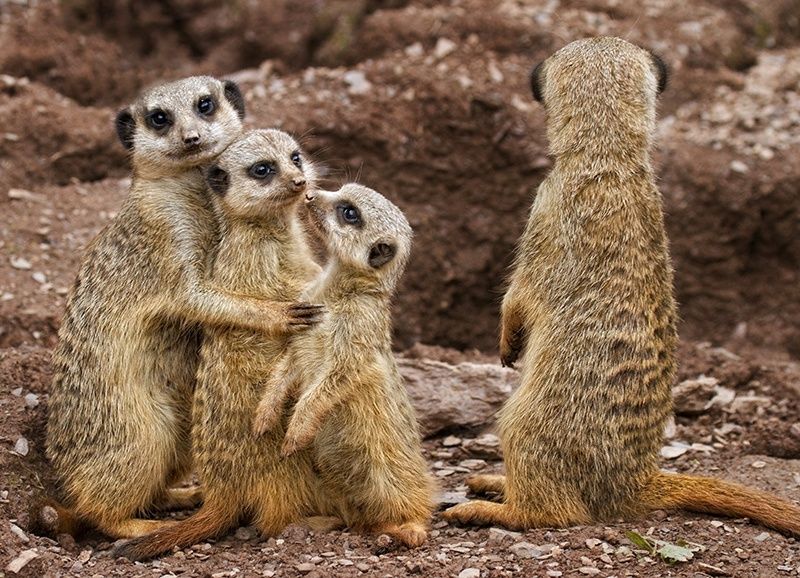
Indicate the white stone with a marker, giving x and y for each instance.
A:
(443, 47)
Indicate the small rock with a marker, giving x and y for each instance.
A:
(738, 166)
(39, 277)
(21, 447)
(357, 82)
(244, 533)
(589, 570)
(528, 550)
(674, 450)
(443, 47)
(693, 396)
(31, 400)
(758, 464)
(592, 543)
(20, 263)
(452, 498)
(22, 194)
(469, 573)
(554, 573)
(414, 50)
(451, 441)
(22, 560)
(84, 556)
(16, 392)
(795, 430)
(445, 472)
(499, 535)
(474, 464)
(305, 567)
(17, 531)
(363, 567)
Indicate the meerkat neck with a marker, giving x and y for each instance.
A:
(338, 281)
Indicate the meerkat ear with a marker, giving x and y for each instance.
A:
(217, 179)
(126, 127)
(234, 96)
(380, 254)
(537, 81)
(662, 71)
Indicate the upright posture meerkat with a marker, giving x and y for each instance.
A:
(353, 404)
(590, 307)
(119, 413)
(257, 183)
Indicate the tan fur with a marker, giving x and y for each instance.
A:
(262, 254)
(352, 403)
(118, 431)
(590, 308)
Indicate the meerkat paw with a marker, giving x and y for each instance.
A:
(268, 416)
(486, 483)
(510, 347)
(296, 440)
(303, 315)
(482, 513)
(181, 498)
(409, 534)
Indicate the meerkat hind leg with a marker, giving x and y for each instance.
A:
(180, 498)
(483, 513)
(410, 534)
(487, 483)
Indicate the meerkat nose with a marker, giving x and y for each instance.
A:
(310, 197)
(298, 184)
(191, 138)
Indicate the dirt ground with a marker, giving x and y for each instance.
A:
(428, 102)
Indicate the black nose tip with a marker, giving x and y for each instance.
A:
(298, 184)
(191, 140)
(310, 197)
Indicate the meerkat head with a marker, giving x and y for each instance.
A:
(183, 124)
(261, 172)
(599, 90)
(363, 231)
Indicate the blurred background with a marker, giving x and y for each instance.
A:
(428, 102)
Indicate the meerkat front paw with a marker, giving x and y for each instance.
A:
(268, 416)
(298, 437)
(303, 315)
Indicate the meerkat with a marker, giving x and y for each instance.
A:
(352, 403)
(590, 309)
(124, 369)
(257, 184)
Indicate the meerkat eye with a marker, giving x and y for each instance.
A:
(349, 214)
(158, 119)
(297, 160)
(262, 170)
(206, 105)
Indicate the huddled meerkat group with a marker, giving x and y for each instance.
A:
(201, 333)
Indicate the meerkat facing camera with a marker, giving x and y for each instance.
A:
(124, 369)
(257, 184)
(591, 310)
(352, 403)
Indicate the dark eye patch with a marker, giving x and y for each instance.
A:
(158, 119)
(298, 162)
(262, 170)
(348, 214)
(206, 105)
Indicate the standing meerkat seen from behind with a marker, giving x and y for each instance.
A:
(124, 369)
(353, 405)
(591, 310)
(257, 184)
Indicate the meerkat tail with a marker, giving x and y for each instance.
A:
(712, 496)
(207, 522)
(49, 518)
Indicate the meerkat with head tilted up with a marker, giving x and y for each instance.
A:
(352, 403)
(590, 310)
(124, 369)
(257, 184)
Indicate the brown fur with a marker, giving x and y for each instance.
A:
(590, 308)
(353, 405)
(262, 254)
(119, 412)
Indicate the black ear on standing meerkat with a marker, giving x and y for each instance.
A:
(126, 127)
(234, 96)
(217, 179)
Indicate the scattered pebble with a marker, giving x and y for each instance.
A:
(19, 533)
(589, 570)
(451, 441)
(21, 447)
(473, 464)
(528, 550)
(674, 450)
(31, 400)
(39, 277)
(20, 263)
(738, 166)
(22, 195)
(758, 464)
(443, 47)
(357, 82)
(469, 573)
(305, 567)
(22, 560)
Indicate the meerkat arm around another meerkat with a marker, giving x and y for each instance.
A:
(512, 329)
(281, 384)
